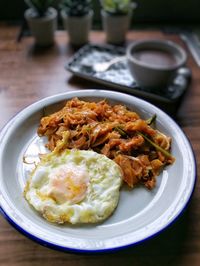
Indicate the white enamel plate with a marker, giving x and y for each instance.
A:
(140, 213)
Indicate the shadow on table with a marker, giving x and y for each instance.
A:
(170, 247)
(55, 49)
(81, 83)
(174, 246)
(166, 248)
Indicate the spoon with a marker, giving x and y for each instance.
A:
(103, 66)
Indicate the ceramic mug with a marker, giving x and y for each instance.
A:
(154, 63)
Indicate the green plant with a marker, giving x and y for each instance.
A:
(76, 7)
(116, 7)
(39, 6)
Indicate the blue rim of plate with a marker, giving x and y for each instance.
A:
(81, 251)
(107, 250)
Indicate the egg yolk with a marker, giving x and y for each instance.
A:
(68, 184)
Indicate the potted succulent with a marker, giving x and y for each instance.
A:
(77, 20)
(42, 21)
(116, 18)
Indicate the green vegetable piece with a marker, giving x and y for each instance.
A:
(166, 153)
(121, 131)
(151, 119)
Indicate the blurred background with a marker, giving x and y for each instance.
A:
(158, 12)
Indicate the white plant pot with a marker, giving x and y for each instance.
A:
(42, 28)
(116, 26)
(78, 28)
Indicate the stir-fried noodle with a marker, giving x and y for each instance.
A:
(140, 150)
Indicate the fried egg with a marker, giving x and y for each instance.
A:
(76, 186)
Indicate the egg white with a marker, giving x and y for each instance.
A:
(101, 196)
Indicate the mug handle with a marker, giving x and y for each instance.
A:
(180, 80)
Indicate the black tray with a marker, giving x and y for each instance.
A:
(119, 78)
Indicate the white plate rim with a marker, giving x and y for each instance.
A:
(84, 93)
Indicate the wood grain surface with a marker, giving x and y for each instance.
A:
(28, 74)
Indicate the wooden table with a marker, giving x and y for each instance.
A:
(27, 75)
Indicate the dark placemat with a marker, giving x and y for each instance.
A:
(119, 78)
